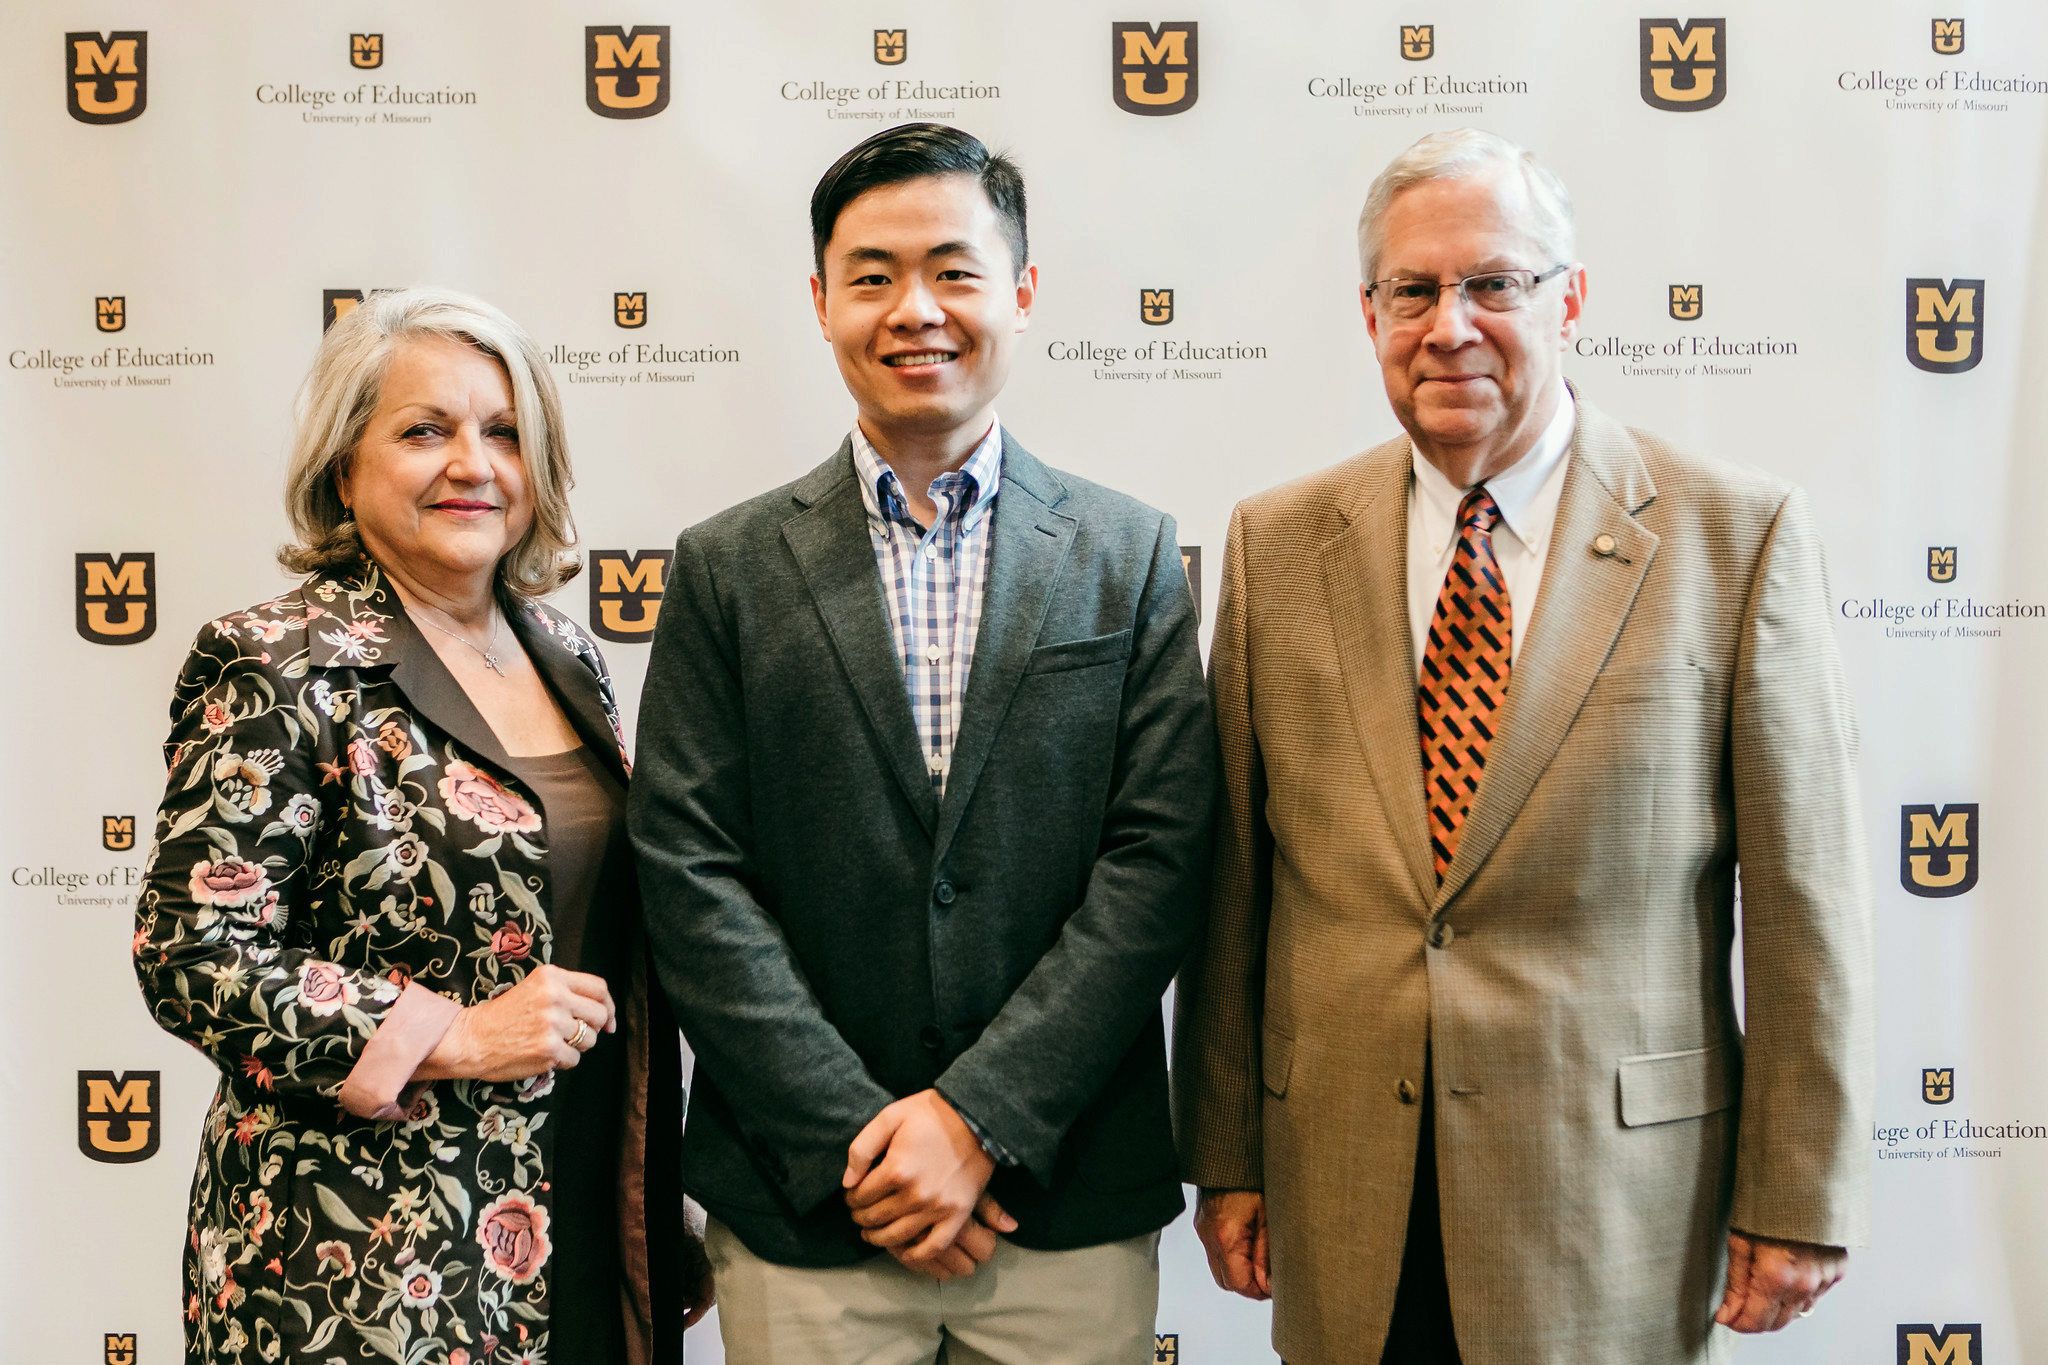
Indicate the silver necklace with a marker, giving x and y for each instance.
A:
(490, 653)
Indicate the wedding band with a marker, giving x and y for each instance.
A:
(576, 1038)
(1806, 1312)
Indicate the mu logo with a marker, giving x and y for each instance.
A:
(1948, 37)
(336, 304)
(1959, 1343)
(118, 1115)
(1155, 307)
(111, 584)
(892, 45)
(110, 312)
(1685, 66)
(1937, 1084)
(1945, 325)
(106, 79)
(366, 50)
(1686, 302)
(625, 592)
(630, 310)
(117, 833)
(627, 73)
(1940, 849)
(1941, 564)
(120, 1348)
(1154, 69)
(1166, 1348)
(1418, 42)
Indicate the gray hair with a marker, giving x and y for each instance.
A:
(342, 391)
(1453, 155)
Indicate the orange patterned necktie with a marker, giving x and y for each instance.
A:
(1464, 675)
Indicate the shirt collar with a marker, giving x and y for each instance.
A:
(980, 478)
(1520, 490)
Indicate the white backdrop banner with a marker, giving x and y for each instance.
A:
(1816, 243)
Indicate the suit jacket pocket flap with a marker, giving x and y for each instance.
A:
(1100, 649)
(1662, 1087)
(1278, 1061)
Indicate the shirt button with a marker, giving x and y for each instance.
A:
(932, 654)
(931, 552)
(1407, 1091)
(943, 893)
(1441, 934)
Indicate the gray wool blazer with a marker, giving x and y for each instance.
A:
(834, 936)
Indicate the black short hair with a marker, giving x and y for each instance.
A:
(911, 151)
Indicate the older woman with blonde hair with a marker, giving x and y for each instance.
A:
(391, 897)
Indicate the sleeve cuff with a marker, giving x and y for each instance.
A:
(377, 1087)
(996, 1151)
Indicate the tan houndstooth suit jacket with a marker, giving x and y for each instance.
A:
(1677, 710)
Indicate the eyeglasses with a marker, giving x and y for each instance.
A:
(1497, 291)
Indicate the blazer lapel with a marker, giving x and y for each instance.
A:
(833, 551)
(1028, 546)
(556, 657)
(1584, 601)
(1365, 578)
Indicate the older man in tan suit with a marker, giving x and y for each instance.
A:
(1505, 707)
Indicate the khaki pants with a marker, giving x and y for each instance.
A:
(1092, 1306)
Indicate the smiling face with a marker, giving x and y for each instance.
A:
(923, 305)
(437, 486)
(1474, 389)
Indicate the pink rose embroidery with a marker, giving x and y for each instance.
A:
(228, 882)
(511, 943)
(324, 987)
(513, 1232)
(484, 802)
(362, 757)
(216, 717)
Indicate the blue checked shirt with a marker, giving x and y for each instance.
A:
(932, 580)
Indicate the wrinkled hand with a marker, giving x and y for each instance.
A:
(1232, 1226)
(525, 1031)
(702, 1291)
(917, 1183)
(1770, 1282)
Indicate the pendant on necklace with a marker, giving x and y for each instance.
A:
(491, 660)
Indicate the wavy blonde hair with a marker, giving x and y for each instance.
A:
(342, 391)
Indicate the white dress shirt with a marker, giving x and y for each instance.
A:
(1527, 495)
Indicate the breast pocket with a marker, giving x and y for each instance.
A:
(1067, 655)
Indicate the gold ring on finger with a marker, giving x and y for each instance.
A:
(576, 1038)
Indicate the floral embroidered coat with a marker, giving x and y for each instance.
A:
(330, 859)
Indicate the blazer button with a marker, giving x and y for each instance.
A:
(943, 893)
(933, 1040)
(1406, 1090)
(1441, 934)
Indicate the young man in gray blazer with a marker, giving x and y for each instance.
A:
(924, 784)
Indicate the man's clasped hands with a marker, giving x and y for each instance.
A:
(917, 1182)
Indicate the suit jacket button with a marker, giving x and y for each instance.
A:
(1441, 934)
(1406, 1090)
(932, 1039)
(943, 893)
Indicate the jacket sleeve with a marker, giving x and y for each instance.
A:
(227, 881)
(1056, 1041)
(796, 1087)
(1219, 1002)
(1803, 1165)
